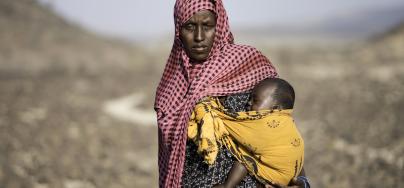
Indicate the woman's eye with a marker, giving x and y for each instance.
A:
(208, 27)
(189, 27)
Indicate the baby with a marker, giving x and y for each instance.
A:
(269, 94)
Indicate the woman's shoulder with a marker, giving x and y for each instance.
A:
(245, 53)
(241, 48)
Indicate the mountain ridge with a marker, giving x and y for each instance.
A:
(353, 26)
(35, 39)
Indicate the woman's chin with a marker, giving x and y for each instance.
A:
(199, 57)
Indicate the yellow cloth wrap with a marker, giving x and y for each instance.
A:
(266, 142)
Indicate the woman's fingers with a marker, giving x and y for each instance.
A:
(296, 183)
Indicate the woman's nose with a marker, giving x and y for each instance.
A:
(199, 35)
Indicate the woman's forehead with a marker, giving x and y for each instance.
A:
(184, 10)
(203, 15)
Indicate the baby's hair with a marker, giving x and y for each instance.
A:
(284, 94)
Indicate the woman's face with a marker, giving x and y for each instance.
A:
(198, 34)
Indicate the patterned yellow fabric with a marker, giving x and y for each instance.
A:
(266, 142)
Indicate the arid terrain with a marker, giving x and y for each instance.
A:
(76, 107)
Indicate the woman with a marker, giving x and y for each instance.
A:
(203, 62)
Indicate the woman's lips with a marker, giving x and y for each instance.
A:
(199, 49)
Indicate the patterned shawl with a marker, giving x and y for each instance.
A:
(229, 69)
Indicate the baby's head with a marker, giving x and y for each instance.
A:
(271, 94)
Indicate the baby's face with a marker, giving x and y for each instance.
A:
(262, 99)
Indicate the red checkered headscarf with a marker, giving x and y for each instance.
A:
(229, 69)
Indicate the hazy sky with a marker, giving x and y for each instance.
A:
(139, 19)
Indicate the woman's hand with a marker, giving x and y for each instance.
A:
(294, 183)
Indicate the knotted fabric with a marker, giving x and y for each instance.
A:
(266, 142)
(228, 69)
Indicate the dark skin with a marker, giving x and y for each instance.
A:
(197, 35)
(238, 173)
(262, 99)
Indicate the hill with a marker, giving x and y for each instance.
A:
(386, 47)
(348, 108)
(35, 39)
(346, 27)
(55, 78)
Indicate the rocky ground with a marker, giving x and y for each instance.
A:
(54, 133)
(351, 121)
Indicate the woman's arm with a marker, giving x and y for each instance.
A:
(236, 175)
